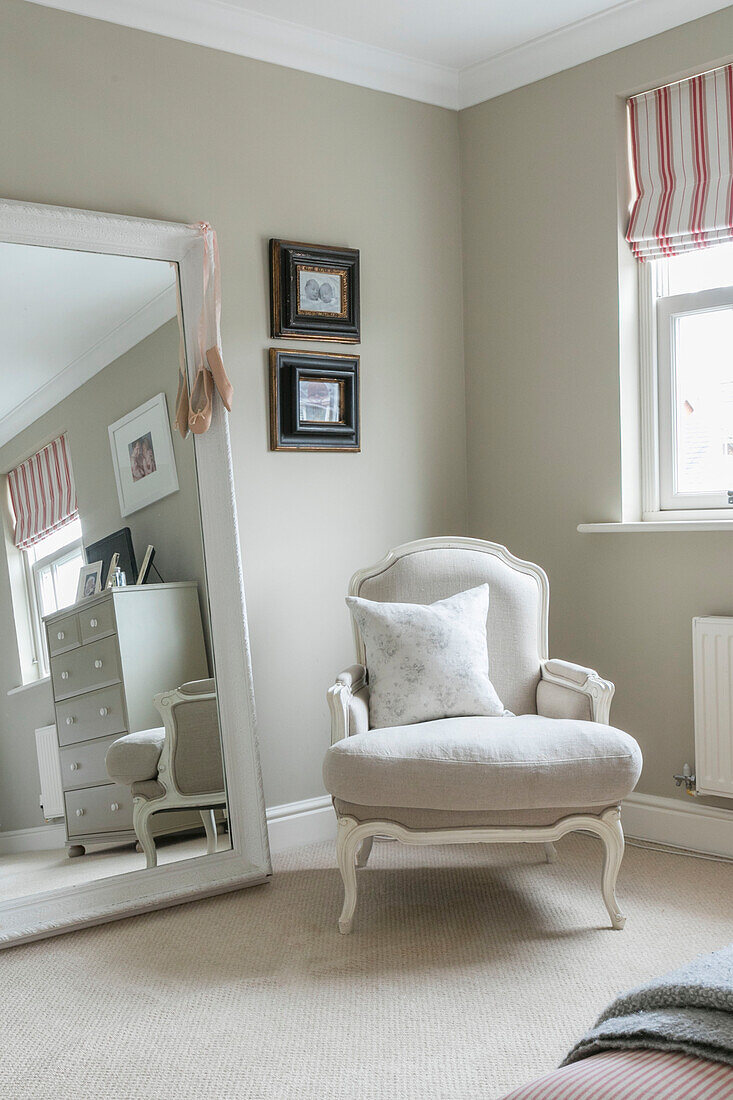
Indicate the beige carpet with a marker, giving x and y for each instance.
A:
(469, 970)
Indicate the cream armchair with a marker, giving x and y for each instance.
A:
(553, 767)
(175, 767)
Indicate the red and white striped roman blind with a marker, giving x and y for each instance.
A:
(43, 493)
(681, 142)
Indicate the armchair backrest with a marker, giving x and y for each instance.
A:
(192, 748)
(519, 595)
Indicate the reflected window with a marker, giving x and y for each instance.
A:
(52, 572)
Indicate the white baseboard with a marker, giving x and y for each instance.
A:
(35, 839)
(297, 823)
(679, 824)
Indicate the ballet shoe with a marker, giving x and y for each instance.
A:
(221, 381)
(199, 418)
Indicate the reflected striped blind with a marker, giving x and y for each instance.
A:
(43, 493)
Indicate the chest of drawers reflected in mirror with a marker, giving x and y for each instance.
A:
(110, 655)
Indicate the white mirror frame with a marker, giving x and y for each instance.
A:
(247, 863)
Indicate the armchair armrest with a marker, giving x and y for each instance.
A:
(348, 702)
(567, 690)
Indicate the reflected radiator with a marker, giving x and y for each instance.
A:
(49, 769)
(712, 655)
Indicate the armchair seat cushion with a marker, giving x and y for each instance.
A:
(517, 763)
(134, 757)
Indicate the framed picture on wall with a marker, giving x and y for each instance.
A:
(314, 401)
(142, 456)
(314, 292)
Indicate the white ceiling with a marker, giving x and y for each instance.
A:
(453, 53)
(65, 315)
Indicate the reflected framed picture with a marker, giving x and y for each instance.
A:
(90, 581)
(314, 292)
(142, 456)
(314, 401)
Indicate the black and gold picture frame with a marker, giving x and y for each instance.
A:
(314, 291)
(314, 401)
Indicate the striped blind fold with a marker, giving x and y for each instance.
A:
(43, 493)
(681, 147)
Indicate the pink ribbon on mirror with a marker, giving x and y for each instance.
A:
(210, 364)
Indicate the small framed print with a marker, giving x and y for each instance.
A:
(90, 580)
(314, 291)
(314, 401)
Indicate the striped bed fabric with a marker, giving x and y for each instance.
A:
(43, 493)
(633, 1075)
(681, 152)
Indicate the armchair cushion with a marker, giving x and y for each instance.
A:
(135, 756)
(427, 662)
(485, 764)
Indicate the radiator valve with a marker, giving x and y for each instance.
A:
(688, 779)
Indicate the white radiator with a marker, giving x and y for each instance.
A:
(49, 769)
(712, 658)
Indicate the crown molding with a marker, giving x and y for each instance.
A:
(226, 26)
(115, 343)
(618, 26)
(222, 25)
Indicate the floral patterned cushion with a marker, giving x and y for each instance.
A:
(427, 662)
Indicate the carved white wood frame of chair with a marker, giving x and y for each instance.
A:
(174, 798)
(354, 839)
(352, 835)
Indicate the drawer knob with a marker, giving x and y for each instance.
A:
(103, 712)
(80, 812)
(114, 806)
(97, 663)
(64, 676)
(73, 767)
(92, 623)
(61, 635)
(70, 720)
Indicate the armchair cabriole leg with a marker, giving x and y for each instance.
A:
(141, 821)
(550, 853)
(209, 820)
(347, 841)
(364, 851)
(613, 839)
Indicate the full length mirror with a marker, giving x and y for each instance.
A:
(112, 764)
(109, 735)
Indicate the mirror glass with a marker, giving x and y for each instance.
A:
(110, 752)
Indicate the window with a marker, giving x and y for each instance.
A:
(52, 571)
(688, 383)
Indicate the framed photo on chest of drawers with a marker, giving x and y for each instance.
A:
(145, 755)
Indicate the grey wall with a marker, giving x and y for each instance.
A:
(543, 269)
(107, 118)
(171, 525)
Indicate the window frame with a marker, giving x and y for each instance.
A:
(32, 571)
(657, 311)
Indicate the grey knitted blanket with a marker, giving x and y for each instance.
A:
(688, 1010)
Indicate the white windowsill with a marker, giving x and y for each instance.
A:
(656, 526)
(32, 684)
